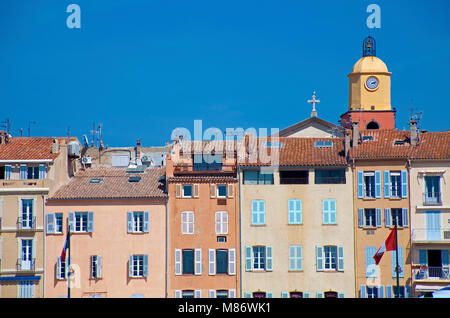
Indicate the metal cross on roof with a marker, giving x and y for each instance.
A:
(313, 101)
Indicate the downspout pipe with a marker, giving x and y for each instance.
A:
(240, 234)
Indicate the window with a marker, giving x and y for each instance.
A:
(138, 221)
(26, 255)
(187, 191)
(370, 217)
(258, 212)
(222, 191)
(96, 266)
(5, 172)
(332, 176)
(399, 292)
(26, 219)
(61, 268)
(187, 294)
(295, 295)
(372, 292)
(330, 257)
(432, 190)
(33, 172)
(295, 211)
(187, 222)
(221, 222)
(26, 289)
(221, 261)
(294, 177)
(259, 257)
(222, 293)
(207, 162)
(257, 177)
(188, 261)
(81, 221)
(396, 184)
(2, 172)
(295, 258)
(397, 217)
(369, 184)
(321, 144)
(259, 295)
(331, 294)
(138, 265)
(329, 211)
(58, 222)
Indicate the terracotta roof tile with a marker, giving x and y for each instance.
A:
(29, 148)
(115, 185)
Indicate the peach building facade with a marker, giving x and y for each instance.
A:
(203, 232)
(117, 241)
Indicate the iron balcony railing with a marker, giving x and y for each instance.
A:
(431, 272)
(300, 180)
(432, 198)
(26, 265)
(26, 223)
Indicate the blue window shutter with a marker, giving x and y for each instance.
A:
(386, 184)
(388, 291)
(340, 263)
(248, 258)
(130, 266)
(319, 258)
(306, 294)
(23, 172)
(145, 265)
(362, 291)
(405, 216)
(262, 212)
(360, 185)
(42, 171)
(269, 295)
(377, 184)
(423, 259)
(332, 211)
(400, 263)
(387, 217)
(50, 223)
(380, 291)
(341, 295)
(269, 258)
(291, 213)
(325, 212)
(130, 222)
(255, 207)
(361, 217)
(378, 217)
(72, 221)
(445, 258)
(284, 294)
(408, 291)
(8, 170)
(319, 294)
(370, 262)
(300, 256)
(404, 177)
(146, 221)
(298, 205)
(90, 224)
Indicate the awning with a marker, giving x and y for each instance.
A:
(19, 278)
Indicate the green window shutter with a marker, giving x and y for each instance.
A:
(340, 264)
(90, 223)
(319, 258)
(145, 265)
(146, 222)
(248, 258)
(269, 258)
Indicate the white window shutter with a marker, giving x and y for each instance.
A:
(72, 221)
(130, 266)
(50, 223)
(198, 261)
(177, 293)
(191, 222)
(319, 258)
(184, 224)
(212, 293)
(129, 222)
(269, 258)
(178, 190)
(58, 267)
(231, 261)
(146, 221)
(198, 293)
(340, 263)
(212, 261)
(177, 261)
(232, 293)
(248, 258)
(145, 265)
(90, 223)
(230, 191)
(224, 222)
(213, 190)
(218, 222)
(99, 266)
(195, 190)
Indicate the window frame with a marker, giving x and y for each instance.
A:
(222, 186)
(369, 184)
(185, 261)
(183, 195)
(81, 222)
(371, 217)
(328, 258)
(259, 262)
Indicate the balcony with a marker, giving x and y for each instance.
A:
(24, 185)
(202, 169)
(26, 265)
(430, 235)
(26, 224)
(432, 198)
(431, 273)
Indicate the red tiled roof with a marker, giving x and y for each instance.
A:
(29, 148)
(296, 151)
(115, 185)
(432, 145)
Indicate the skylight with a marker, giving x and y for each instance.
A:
(322, 144)
(96, 180)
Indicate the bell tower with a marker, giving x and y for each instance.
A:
(369, 92)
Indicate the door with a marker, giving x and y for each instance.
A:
(26, 257)
(433, 223)
(434, 263)
(432, 189)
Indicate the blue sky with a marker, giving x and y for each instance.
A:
(143, 68)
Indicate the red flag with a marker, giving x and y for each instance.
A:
(66, 245)
(388, 245)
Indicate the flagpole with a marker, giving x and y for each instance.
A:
(68, 260)
(396, 258)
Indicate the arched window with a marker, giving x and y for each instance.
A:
(373, 125)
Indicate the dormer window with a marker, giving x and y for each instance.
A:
(96, 180)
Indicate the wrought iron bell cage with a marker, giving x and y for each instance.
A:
(369, 47)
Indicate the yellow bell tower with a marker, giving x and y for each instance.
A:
(370, 91)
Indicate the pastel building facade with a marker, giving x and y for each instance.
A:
(296, 220)
(117, 238)
(31, 169)
(203, 233)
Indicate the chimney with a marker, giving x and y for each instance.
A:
(138, 150)
(55, 146)
(355, 127)
(414, 133)
(347, 138)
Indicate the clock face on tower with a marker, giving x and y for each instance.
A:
(372, 83)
